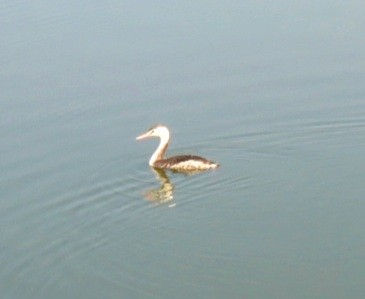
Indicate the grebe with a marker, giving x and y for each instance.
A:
(185, 162)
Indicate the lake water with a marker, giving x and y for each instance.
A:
(274, 92)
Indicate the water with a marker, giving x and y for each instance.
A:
(274, 92)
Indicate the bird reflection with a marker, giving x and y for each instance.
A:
(165, 193)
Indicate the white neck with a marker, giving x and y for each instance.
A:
(160, 151)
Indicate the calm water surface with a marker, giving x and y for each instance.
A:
(274, 92)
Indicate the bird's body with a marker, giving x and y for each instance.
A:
(183, 162)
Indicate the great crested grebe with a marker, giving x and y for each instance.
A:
(185, 162)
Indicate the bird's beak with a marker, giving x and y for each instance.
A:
(142, 136)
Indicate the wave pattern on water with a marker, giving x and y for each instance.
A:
(98, 216)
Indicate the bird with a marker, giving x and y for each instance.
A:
(178, 163)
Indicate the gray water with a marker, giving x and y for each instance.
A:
(274, 92)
